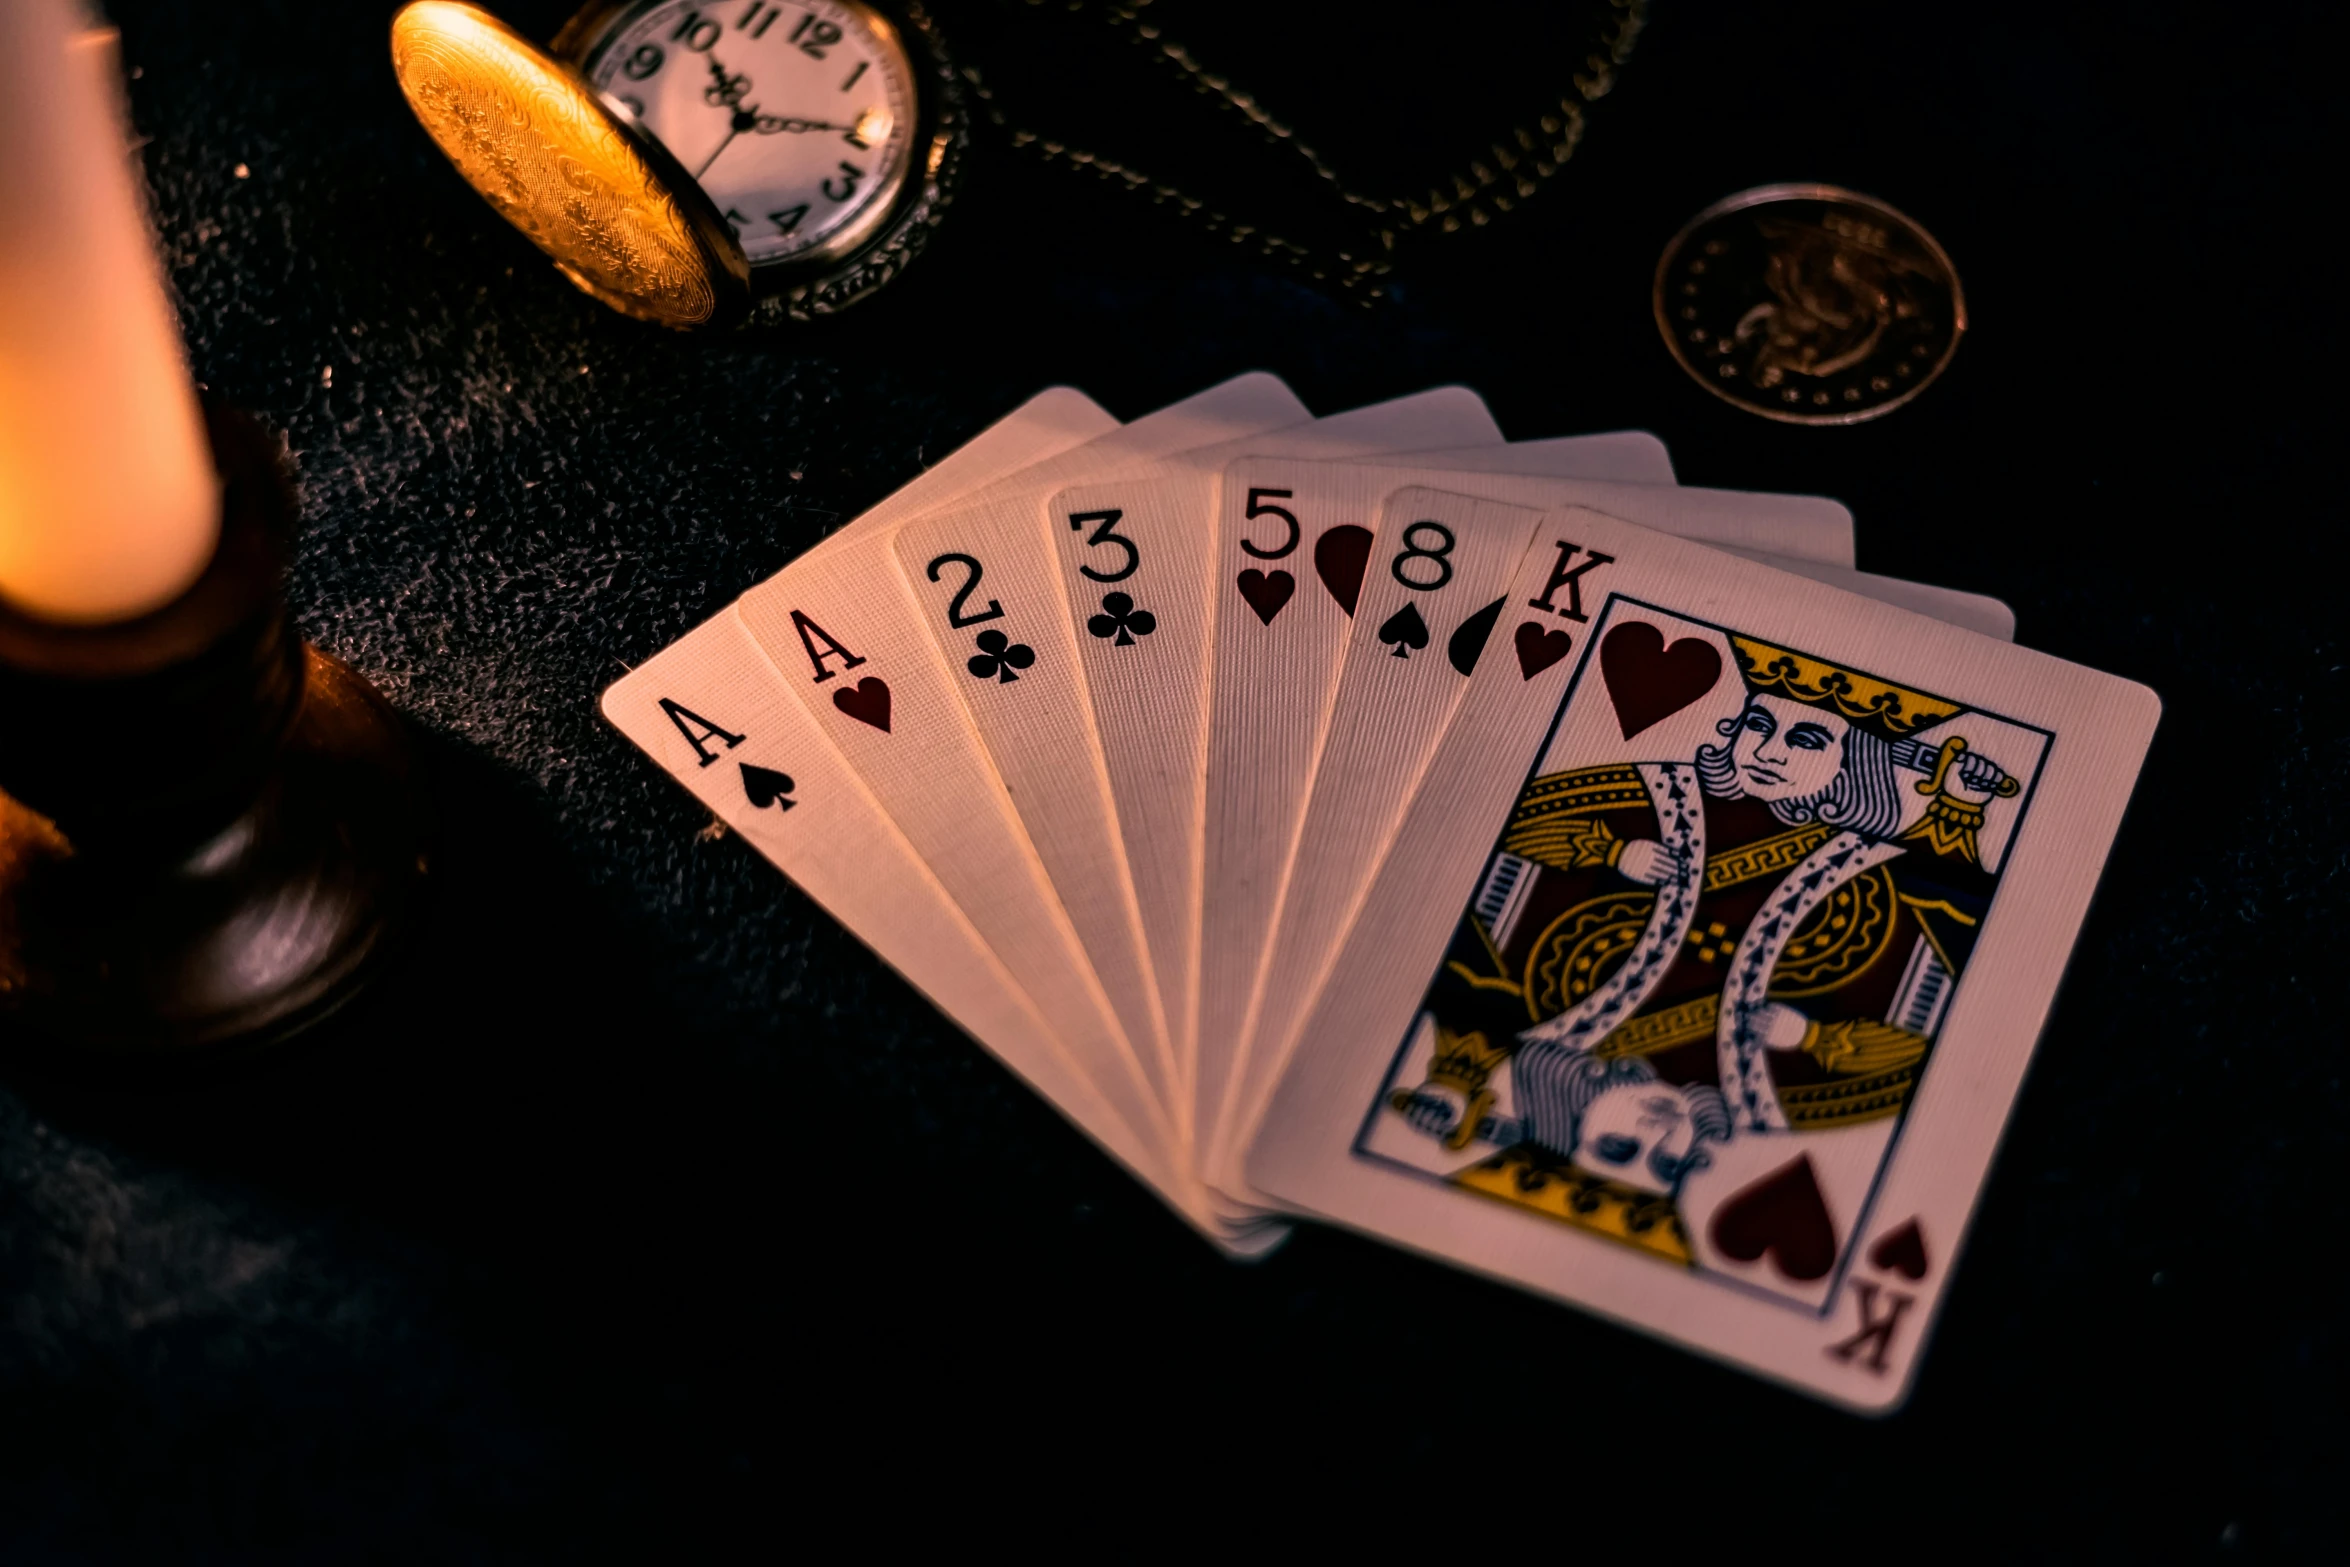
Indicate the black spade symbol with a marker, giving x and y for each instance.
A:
(764, 786)
(1404, 631)
(1339, 559)
(1470, 637)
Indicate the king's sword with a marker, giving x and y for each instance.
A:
(1977, 772)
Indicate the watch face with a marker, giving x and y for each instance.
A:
(795, 116)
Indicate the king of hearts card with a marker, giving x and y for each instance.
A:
(1704, 969)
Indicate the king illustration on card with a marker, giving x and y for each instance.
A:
(1703, 972)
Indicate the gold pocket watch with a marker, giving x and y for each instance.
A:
(700, 162)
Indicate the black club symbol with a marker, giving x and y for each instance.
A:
(1119, 618)
(998, 656)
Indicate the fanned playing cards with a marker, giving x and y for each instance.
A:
(1493, 847)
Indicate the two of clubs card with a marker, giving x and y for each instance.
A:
(1493, 847)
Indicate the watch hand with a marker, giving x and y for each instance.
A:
(769, 124)
(724, 91)
(732, 131)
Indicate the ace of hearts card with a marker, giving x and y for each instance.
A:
(1709, 1014)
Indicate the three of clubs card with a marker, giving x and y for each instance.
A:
(1493, 847)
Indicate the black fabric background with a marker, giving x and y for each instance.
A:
(645, 1204)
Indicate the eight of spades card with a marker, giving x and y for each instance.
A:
(1698, 981)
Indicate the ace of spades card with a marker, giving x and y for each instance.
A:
(1708, 1017)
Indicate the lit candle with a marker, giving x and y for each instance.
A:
(108, 502)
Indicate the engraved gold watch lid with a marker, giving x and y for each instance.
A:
(615, 212)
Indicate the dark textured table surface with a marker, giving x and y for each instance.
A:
(644, 1201)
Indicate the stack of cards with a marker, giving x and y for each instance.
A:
(1492, 847)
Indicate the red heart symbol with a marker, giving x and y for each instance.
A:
(1782, 1214)
(1266, 592)
(1650, 682)
(867, 702)
(1540, 647)
(1339, 558)
(1902, 1251)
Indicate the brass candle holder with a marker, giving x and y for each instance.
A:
(212, 835)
